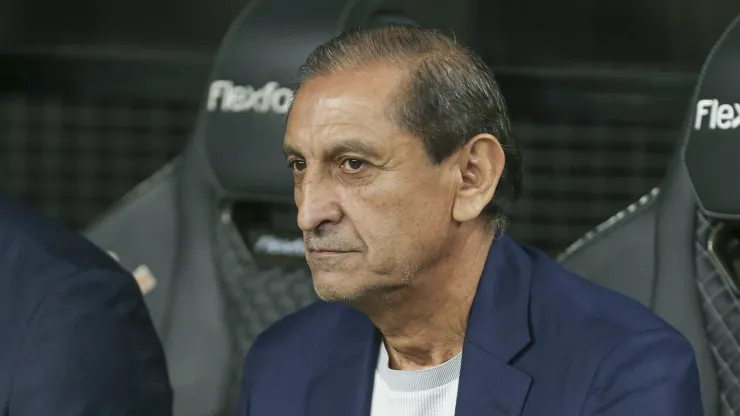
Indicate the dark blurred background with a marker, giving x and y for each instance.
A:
(95, 96)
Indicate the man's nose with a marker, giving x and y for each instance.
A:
(317, 204)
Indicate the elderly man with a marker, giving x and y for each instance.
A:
(403, 159)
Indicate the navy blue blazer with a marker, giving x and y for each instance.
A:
(75, 336)
(539, 341)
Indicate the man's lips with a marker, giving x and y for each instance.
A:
(328, 253)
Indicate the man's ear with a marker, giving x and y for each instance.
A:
(481, 163)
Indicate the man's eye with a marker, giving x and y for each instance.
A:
(297, 165)
(353, 165)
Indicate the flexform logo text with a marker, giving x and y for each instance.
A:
(225, 96)
(717, 115)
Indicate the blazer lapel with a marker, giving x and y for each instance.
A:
(498, 330)
(345, 387)
(489, 386)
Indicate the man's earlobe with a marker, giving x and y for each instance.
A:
(481, 164)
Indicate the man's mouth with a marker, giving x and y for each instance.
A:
(323, 254)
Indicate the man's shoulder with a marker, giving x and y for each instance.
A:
(304, 329)
(303, 338)
(593, 333)
(34, 246)
(587, 308)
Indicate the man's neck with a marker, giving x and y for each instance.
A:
(423, 325)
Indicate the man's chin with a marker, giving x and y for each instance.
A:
(330, 293)
(338, 297)
(353, 290)
(340, 287)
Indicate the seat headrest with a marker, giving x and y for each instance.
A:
(711, 149)
(241, 126)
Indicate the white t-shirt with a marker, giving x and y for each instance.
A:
(428, 392)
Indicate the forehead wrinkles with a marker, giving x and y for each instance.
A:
(354, 90)
(323, 125)
(344, 106)
(312, 110)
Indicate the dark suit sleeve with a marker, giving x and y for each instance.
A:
(651, 373)
(90, 349)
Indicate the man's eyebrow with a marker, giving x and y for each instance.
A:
(353, 145)
(289, 151)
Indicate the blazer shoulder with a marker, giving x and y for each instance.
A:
(28, 237)
(560, 294)
(310, 323)
(300, 330)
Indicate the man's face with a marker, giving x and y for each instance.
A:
(373, 208)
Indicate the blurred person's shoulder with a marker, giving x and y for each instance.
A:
(34, 246)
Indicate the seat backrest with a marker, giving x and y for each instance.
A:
(655, 250)
(712, 147)
(242, 120)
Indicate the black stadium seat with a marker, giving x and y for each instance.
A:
(214, 289)
(659, 250)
